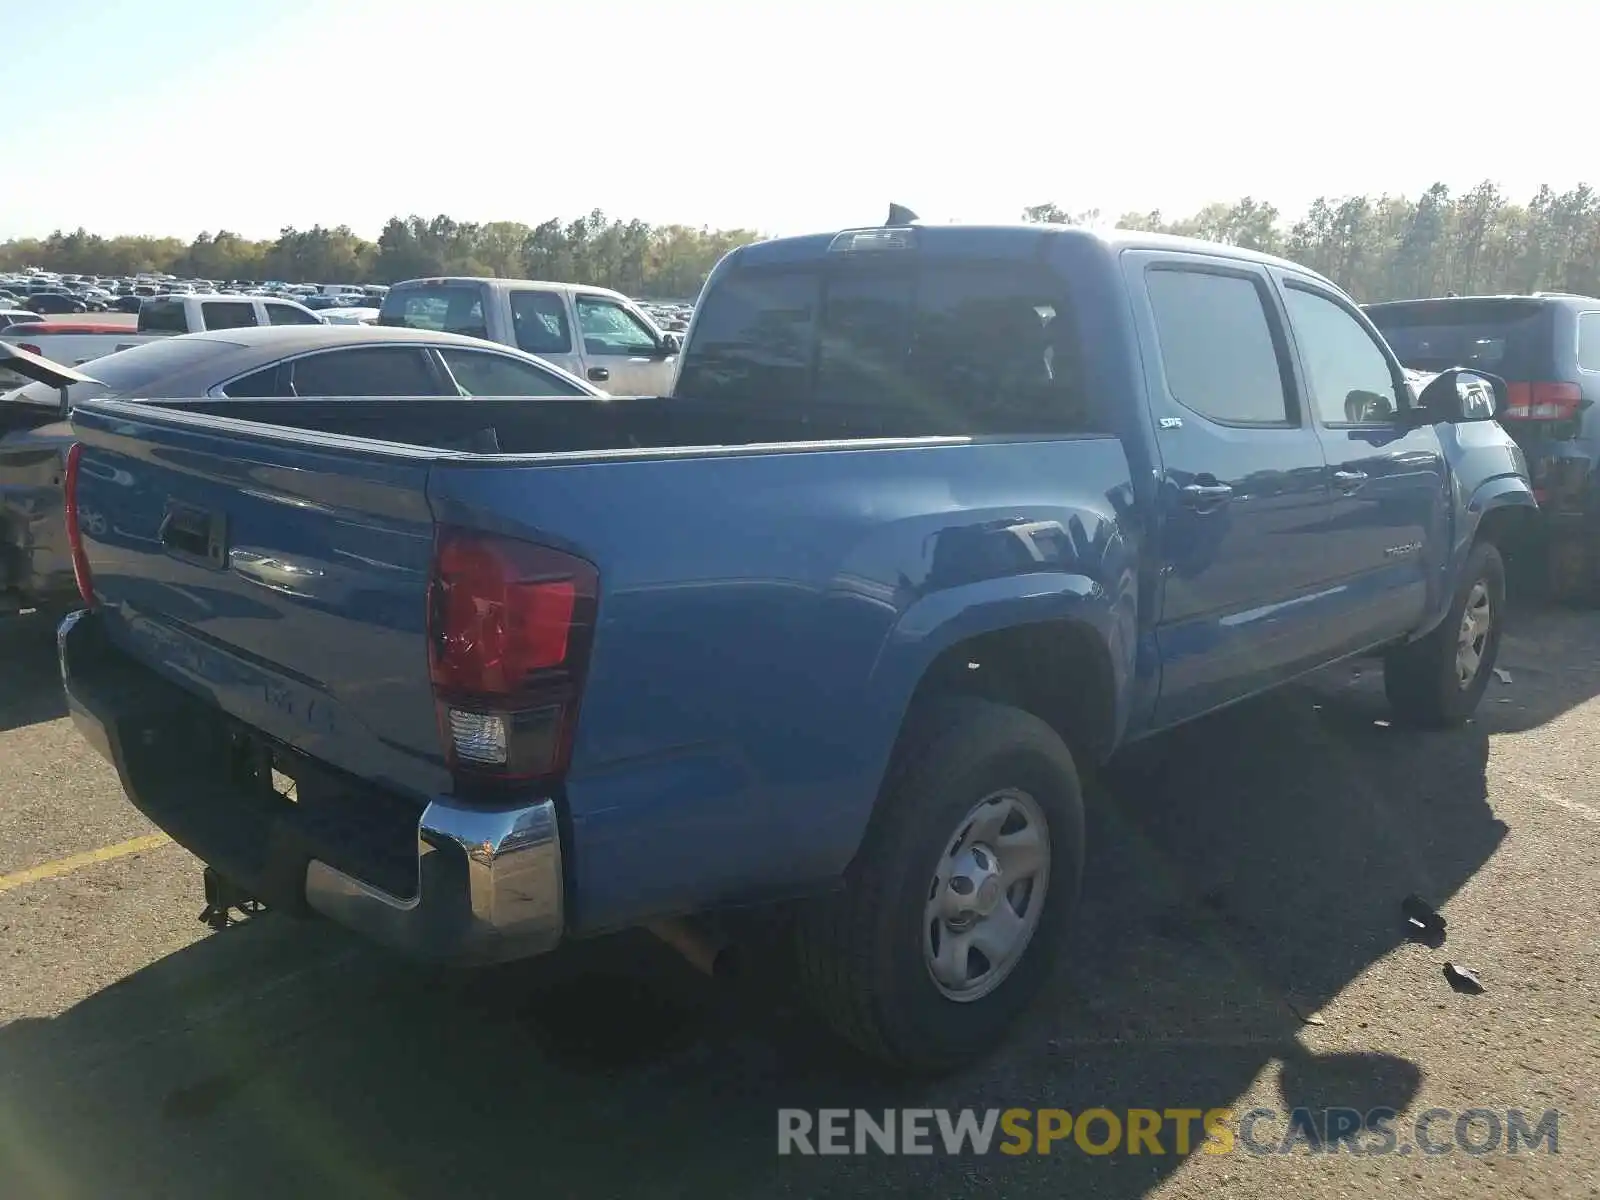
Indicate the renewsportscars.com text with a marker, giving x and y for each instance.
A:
(1100, 1131)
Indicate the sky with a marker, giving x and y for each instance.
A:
(171, 117)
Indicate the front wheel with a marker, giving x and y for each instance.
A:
(954, 909)
(1437, 681)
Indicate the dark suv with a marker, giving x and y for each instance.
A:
(1547, 348)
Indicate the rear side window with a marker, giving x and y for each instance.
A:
(288, 314)
(482, 373)
(365, 371)
(447, 307)
(225, 315)
(1217, 350)
(1509, 338)
(257, 383)
(1589, 341)
(958, 347)
(162, 316)
(540, 322)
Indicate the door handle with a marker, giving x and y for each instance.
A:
(1349, 481)
(599, 374)
(1203, 497)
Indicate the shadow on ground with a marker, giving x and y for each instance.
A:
(30, 680)
(1261, 865)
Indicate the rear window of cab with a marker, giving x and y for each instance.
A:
(440, 307)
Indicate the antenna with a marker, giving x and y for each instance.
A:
(899, 214)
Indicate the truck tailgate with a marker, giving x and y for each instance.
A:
(286, 583)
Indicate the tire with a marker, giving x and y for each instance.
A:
(1423, 679)
(861, 957)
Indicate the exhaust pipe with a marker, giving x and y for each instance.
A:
(709, 954)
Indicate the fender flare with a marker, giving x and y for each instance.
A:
(936, 622)
(1500, 492)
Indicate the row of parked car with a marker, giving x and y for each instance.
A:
(44, 294)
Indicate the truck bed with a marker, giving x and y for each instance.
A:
(581, 424)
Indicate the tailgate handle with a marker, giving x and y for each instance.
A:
(195, 533)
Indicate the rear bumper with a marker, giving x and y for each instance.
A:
(487, 885)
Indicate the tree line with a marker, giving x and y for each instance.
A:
(631, 256)
(1377, 248)
(1394, 247)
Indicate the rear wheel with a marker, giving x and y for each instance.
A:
(1437, 681)
(955, 907)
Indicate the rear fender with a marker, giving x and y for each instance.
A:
(943, 619)
(1502, 493)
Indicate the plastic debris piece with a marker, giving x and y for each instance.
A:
(1503, 675)
(1306, 1013)
(1463, 980)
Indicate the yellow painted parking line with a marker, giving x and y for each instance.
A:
(76, 862)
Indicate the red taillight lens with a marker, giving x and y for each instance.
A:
(80, 560)
(510, 624)
(1542, 401)
(30, 348)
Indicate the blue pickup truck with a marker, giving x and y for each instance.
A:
(935, 519)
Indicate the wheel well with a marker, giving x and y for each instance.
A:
(1060, 671)
(1509, 529)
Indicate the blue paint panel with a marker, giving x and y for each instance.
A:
(763, 622)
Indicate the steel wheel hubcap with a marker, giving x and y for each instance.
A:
(1476, 620)
(986, 895)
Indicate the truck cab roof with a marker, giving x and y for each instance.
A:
(1021, 239)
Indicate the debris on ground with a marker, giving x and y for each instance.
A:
(1463, 980)
(1424, 923)
(1306, 1013)
(1503, 675)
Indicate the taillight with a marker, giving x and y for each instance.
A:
(510, 625)
(80, 560)
(1542, 401)
(30, 348)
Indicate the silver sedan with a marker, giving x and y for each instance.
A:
(315, 360)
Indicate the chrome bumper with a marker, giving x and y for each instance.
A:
(489, 888)
(489, 882)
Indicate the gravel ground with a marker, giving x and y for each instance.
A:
(1252, 882)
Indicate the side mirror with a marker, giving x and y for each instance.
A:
(671, 343)
(1458, 395)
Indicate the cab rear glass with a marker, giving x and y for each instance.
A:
(441, 307)
(163, 316)
(959, 346)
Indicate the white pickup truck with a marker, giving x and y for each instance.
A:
(594, 333)
(76, 342)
